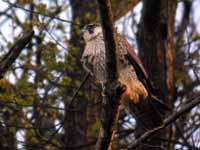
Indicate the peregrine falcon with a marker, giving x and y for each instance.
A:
(131, 71)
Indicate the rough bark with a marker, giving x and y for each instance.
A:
(155, 42)
(113, 89)
(76, 122)
(8, 140)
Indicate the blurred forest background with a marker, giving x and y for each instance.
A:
(48, 103)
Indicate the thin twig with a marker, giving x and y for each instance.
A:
(39, 13)
(77, 91)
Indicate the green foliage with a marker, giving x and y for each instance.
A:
(95, 128)
(41, 8)
(66, 81)
(180, 77)
(196, 36)
(41, 81)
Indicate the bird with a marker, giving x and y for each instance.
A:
(139, 95)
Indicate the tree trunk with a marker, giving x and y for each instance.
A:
(155, 42)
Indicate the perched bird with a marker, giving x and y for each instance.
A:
(139, 95)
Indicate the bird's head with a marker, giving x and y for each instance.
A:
(91, 31)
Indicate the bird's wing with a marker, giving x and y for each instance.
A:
(137, 64)
(141, 73)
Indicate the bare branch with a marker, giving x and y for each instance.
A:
(39, 13)
(166, 122)
(14, 52)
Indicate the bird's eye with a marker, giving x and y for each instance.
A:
(90, 29)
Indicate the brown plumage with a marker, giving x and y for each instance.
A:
(131, 71)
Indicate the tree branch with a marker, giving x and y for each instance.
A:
(14, 52)
(166, 122)
(113, 89)
(119, 5)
